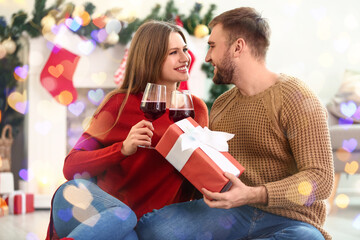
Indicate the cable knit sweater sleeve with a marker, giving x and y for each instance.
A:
(303, 119)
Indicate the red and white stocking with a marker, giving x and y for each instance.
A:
(57, 75)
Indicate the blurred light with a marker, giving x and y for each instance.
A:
(353, 54)
(21, 73)
(356, 222)
(348, 109)
(76, 108)
(349, 145)
(113, 25)
(351, 22)
(351, 168)
(342, 201)
(305, 188)
(87, 47)
(342, 154)
(324, 29)
(96, 96)
(319, 13)
(326, 60)
(31, 236)
(65, 97)
(342, 42)
(99, 78)
(20, 1)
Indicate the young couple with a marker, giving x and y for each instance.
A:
(281, 138)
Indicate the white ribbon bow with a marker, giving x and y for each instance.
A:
(211, 142)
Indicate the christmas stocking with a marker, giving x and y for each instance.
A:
(120, 72)
(56, 77)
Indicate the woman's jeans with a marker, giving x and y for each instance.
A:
(196, 221)
(81, 210)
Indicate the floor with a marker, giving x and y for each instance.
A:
(342, 224)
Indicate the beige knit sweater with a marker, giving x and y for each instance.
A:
(282, 140)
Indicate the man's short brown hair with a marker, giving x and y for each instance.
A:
(246, 23)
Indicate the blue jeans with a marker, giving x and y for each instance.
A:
(195, 220)
(81, 210)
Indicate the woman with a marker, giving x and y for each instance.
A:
(127, 181)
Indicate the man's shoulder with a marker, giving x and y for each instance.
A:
(294, 88)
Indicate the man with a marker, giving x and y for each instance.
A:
(281, 138)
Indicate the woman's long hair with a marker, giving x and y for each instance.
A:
(147, 54)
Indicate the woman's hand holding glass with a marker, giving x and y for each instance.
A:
(181, 105)
(140, 134)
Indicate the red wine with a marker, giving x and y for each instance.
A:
(153, 110)
(179, 114)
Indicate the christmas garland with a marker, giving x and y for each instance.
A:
(104, 31)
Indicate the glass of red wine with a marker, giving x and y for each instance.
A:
(153, 102)
(181, 105)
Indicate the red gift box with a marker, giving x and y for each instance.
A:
(185, 145)
(20, 202)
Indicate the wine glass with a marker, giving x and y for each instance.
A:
(153, 102)
(181, 105)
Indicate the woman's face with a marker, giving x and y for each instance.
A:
(176, 66)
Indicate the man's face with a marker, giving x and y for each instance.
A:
(219, 56)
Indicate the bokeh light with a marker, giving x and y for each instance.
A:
(342, 42)
(305, 188)
(87, 47)
(342, 201)
(18, 101)
(99, 78)
(351, 168)
(79, 197)
(326, 60)
(76, 108)
(21, 73)
(113, 25)
(342, 154)
(96, 96)
(353, 55)
(65, 97)
(350, 145)
(26, 174)
(348, 108)
(356, 222)
(31, 236)
(351, 22)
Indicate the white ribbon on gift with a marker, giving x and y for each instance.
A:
(11, 197)
(211, 142)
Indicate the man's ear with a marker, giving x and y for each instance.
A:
(239, 46)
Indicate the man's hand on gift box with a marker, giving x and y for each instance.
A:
(238, 195)
(140, 134)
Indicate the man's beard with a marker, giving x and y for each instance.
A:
(225, 71)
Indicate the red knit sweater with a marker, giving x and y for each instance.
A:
(145, 180)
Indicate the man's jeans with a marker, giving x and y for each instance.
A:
(81, 210)
(195, 220)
